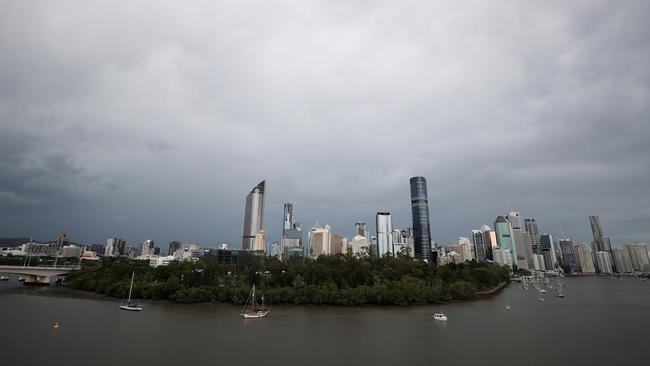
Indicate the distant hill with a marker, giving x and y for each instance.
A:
(12, 242)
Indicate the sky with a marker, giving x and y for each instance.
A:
(154, 119)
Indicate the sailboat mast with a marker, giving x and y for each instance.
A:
(131, 287)
(254, 302)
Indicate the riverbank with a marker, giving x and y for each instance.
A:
(494, 291)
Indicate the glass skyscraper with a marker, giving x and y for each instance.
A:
(253, 216)
(420, 214)
(384, 234)
(505, 237)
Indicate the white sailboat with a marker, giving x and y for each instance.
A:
(252, 310)
(129, 305)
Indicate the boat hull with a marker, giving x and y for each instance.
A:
(130, 308)
(255, 315)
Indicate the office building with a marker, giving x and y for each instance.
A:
(567, 253)
(173, 247)
(490, 239)
(384, 234)
(287, 216)
(339, 244)
(115, 247)
(622, 260)
(505, 237)
(409, 241)
(547, 250)
(502, 256)
(275, 249)
(639, 256)
(420, 216)
(465, 249)
(539, 262)
(604, 262)
(291, 233)
(480, 251)
(259, 245)
(70, 251)
(320, 240)
(360, 229)
(521, 238)
(533, 231)
(254, 217)
(600, 243)
(360, 246)
(584, 258)
(147, 248)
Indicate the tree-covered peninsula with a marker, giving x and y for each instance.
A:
(336, 280)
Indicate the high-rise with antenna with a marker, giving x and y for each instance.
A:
(253, 234)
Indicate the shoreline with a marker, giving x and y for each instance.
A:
(65, 291)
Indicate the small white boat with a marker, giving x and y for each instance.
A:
(130, 306)
(4, 278)
(251, 309)
(507, 307)
(21, 279)
(440, 316)
(541, 299)
(542, 291)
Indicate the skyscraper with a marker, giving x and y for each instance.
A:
(604, 262)
(567, 252)
(320, 241)
(420, 215)
(115, 247)
(288, 216)
(622, 260)
(291, 244)
(596, 229)
(522, 242)
(505, 237)
(584, 258)
(253, 216)
(360, 229)
(384, 234)
(173, 247)
(639, 256)
(533, 230)
(147, 247)
(479, 245)
(547, 249)
(602, 243)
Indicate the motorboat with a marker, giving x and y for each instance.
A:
(440, 316)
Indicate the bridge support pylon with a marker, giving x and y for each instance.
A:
(33, 280)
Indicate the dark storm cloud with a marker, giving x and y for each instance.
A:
(151, 121)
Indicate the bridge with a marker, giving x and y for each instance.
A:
(37, 275)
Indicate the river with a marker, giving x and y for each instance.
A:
(600, 321)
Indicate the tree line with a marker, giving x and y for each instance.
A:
(335, 279)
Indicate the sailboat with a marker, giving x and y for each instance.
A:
(129, 305)
(252, 310)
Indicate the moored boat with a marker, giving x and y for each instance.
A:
(440, 316)
(252, 310)
(129, 305)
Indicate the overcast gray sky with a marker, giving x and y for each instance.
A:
(154, 119)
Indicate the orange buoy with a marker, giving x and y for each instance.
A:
(55, 325)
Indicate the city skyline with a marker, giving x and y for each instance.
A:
(159, 135)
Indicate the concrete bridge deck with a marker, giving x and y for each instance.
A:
(37, 275)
